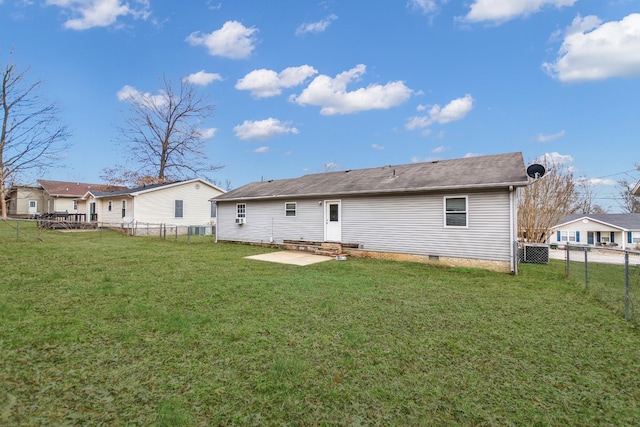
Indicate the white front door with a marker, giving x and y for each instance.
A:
(332, 221)
(92, 212)
(33, 207)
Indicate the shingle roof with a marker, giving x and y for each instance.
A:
(129, 191)
(149, 187)
(500, 170)
(628, 221)
(73, 189)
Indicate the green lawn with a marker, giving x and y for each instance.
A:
(104, 329)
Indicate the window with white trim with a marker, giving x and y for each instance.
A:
(568, 236)
(110, 206)
(178, 208)
(214, 209)
(455, 211)
(605, 238)
(241, 210)
(635, 237)
(124, 208)
(75, 205)
(290, 209)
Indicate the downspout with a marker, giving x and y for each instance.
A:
(512, 229)
(215, 225)
(271, 237)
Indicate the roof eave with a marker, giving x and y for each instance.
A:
(608, 224)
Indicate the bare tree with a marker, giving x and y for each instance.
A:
(162, 136)
(31, 137)
(630, 203)
(545, 201)
(585, 203)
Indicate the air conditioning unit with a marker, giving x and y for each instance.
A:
(240, 220)
(536, 253)
(201, 230)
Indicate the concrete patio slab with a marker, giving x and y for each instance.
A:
(291, 257)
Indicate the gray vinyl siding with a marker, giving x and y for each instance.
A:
(266, 220)
(415, 225)
(412, 224)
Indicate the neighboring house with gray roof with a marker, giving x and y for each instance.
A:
(454, 212)
(618, 230)
(182, 203)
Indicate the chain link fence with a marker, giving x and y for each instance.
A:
(34, 228)
(611, 275)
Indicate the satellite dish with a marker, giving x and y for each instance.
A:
(536, 171)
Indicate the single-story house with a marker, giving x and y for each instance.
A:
(181, 203)
(24, 201)
(454, 212)
(61, 196)
(618, 230)
(50, 197)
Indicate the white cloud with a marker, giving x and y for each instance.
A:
(316, 27)
(202, 78)
(208, 133)
(454, 110)
(466, 156)
(264, 83)
(127, 92)
(331, 94)
(233, 40)
(440, 149)
(548, 138)
(424, 6)
(555, 158)
(592, 50)
(377, 147)
(85, 14)
(499, 11)
(263, 129)
(131, 94)
(602, 182)
(261, 149)
(330, 166)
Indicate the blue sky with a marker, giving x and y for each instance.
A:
(308, 86)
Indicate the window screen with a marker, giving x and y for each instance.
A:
(456, 211)
(179, 208)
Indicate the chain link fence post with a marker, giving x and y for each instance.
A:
(586, 270)
(626, 285)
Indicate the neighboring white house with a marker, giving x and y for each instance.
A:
(618, 230)
(182, 203)
(453, 212)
